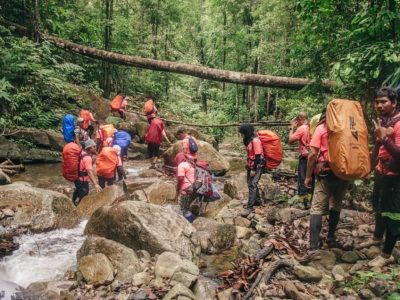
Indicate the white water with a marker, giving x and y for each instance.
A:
(43, 257)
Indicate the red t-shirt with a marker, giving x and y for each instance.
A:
(186, 170)
(302, 134)
(254, 148)
(383, 154)
(85, 165)
(320, 140)
(155, 132)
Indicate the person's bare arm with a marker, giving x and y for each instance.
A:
(292, 137)
(93, 180)
(164, 134)
(311, 162)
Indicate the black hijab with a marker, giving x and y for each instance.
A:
(248, 133)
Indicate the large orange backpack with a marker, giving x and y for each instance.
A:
(85, 115)
(116, 102)
(149, 107)
(106, 162)
(348, 153)
(71, 157)
(108, 130)
(272, 146)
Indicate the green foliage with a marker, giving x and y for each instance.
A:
(362, 278)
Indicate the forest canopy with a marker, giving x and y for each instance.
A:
(355, 43)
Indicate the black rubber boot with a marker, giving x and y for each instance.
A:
(334, 217)
(315, 229)
(379, 226)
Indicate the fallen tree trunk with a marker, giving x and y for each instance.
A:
(176, 67)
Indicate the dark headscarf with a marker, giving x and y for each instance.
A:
(248, 133)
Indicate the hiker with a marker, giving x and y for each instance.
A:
(119, 104)
(185, 175)
(386, 201)
(155, 133)
(329, 190)
(189, 143)
(88, 118)
(302, 136)
(108, 163)
(255, 165)
(123, 139)
(68, 127)
(81, 135)
(85, 173)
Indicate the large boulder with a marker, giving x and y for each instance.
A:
(56, 140)
(146, 226)
(36, 209)
(93, 201)
(122, 258)
(34, 155)
(160, 192)
(49, 290)
(213, 208)
(141, 129)
(214, 237)
(218, 163)
(96, 269)
(9, 149)
(38, 137)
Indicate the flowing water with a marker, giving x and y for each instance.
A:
(43, 257)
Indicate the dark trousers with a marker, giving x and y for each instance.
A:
(103, 181)
(254, 192)
(301, 173)
(376, 205)
(81, 190)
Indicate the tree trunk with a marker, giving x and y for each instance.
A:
(35, 20)
(224, 48)
(392, 9)
(108, 8)
(176, 67)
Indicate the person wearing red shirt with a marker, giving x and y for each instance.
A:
(255, 165)
(386, 155)
(329, 190)
(155, 133)
(302, 136)
(88, 118)
(184, 137)
(185, 175)
(85, 173)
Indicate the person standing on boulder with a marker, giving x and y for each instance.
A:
(302, 136)
(154, 135)
(189, 143)
(255, 165)
(386, 200)
(185, 176)
(85, 173)
(88, 118)
(329, 190)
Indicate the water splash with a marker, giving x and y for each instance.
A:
(43, 257)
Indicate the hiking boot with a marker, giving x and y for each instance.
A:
(246, 212)
(381, 261)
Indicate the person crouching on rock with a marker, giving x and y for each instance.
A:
(85, 173)
(185, 174)
(255, 165)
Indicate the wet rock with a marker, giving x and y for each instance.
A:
(188, 280)
(9, 289)
(338, 273)
(56, 140)
(221, 236)
(366, 294)
(145, 226)
(36, 209)
(34, 155)
(178, 291)
(4, 178)
(9, 149)
(122, 258)
(38, 137)
(307, 274)
(219, 165)
(350, 257)
(204, 289)
(96, 269)
(93, 201)
(46, 290)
